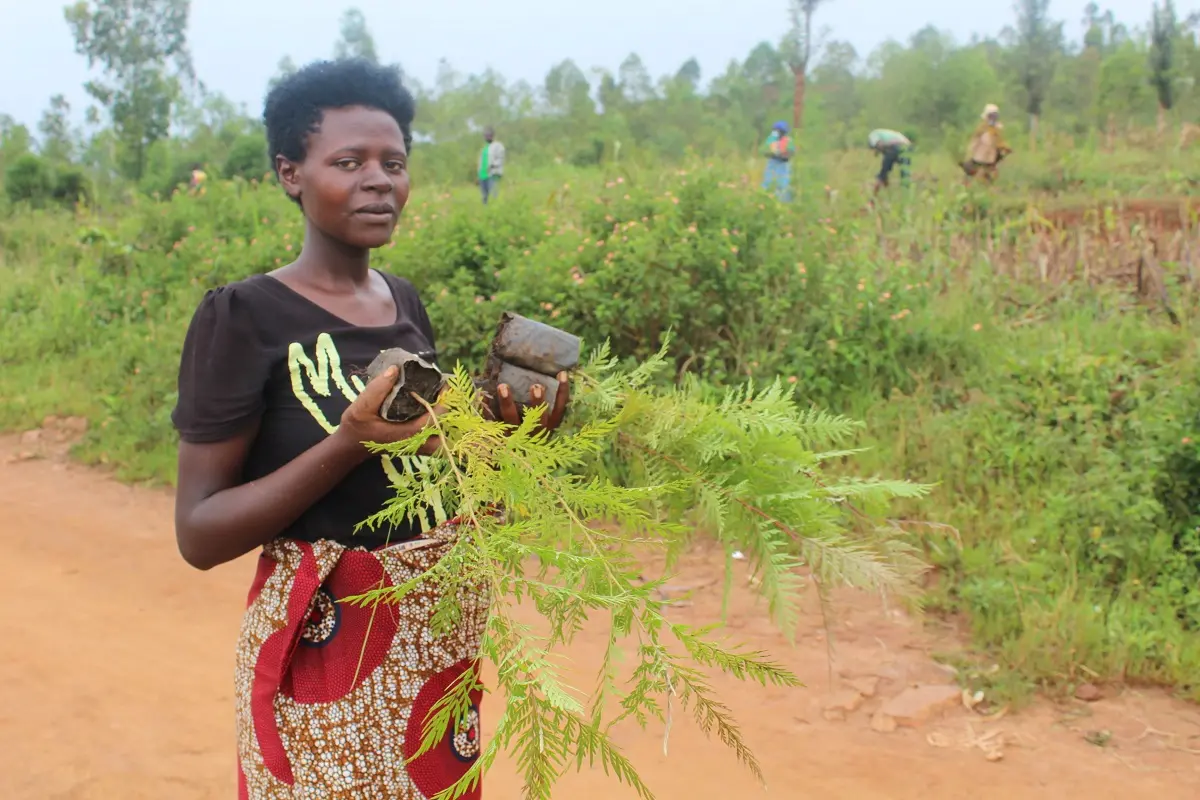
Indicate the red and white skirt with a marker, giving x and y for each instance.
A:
(331, 697)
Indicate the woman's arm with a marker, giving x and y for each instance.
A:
(218, 518)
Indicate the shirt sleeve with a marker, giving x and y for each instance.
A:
(223, 371)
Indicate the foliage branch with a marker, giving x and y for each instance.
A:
(746, 467)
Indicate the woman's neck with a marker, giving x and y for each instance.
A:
(325, 260)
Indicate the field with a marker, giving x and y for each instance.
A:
(1030, 349)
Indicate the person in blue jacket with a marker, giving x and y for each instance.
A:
(778, 150)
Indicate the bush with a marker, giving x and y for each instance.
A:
(1063, 443)
(1071, 471)
(71, 186)
(247, 158)
(28, 180)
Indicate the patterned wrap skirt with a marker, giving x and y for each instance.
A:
(331, 698)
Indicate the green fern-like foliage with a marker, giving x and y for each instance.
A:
(639, 468)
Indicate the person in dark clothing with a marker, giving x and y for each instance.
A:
(894, 147)
(273, 415)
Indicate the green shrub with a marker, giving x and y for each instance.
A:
(71, 186)
(1062, 443)
(28, 180)
(1067, 463)
(247, 157)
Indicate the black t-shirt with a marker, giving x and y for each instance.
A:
(257, 349)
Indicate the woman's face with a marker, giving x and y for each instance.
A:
(353, 182)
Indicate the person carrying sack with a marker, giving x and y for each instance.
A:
(894, 147)
(987, 147)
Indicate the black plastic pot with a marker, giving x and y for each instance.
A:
(526, 352)
(417, 376)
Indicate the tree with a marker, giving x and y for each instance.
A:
(1097, 27)
(285, 67)
(1164, 32)
(141, 47)
(356, 40)
(931, 85)
(57, 143)
(1037, 44)
(567, 89)
(27, 180)
(15, 140)
(634, 80)
(1125, 84)
(836, 83)
(756, 84)
(247, 157)
(798, 45)
(689, 75)
(608, 92)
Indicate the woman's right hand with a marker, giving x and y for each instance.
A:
(362, 423)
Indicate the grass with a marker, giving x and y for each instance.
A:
(1031, 372)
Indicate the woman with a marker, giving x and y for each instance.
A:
(779, 149)
(987, 146)
(272, 416)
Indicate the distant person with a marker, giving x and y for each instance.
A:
(895, 148)
(987, 147)
(779, 149)
(491, 165)
(196, 182)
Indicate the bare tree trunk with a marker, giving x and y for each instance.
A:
(798, 101)
(1033, 132)
(1110, 135)
(1162, 120)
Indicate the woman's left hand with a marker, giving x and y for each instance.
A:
(551, 418)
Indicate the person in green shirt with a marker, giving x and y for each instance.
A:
(491, 165)
(895, 148)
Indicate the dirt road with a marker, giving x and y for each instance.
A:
(116, 677)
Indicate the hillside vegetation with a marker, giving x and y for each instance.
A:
(1033, 354)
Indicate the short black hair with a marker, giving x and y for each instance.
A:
(295, 106)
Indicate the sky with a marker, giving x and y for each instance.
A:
(237, 44)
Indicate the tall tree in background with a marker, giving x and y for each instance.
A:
(141, 46)
(1097, 27)
(634, 80)
(567, 90)
(689, 76)
(1102, 37)
(1037, 44)
(1125, 89)
(930, 83)
(798, 47)
(355, 40)
(58, 143)
(285, 67)
(15, 141)
(1164, 33)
